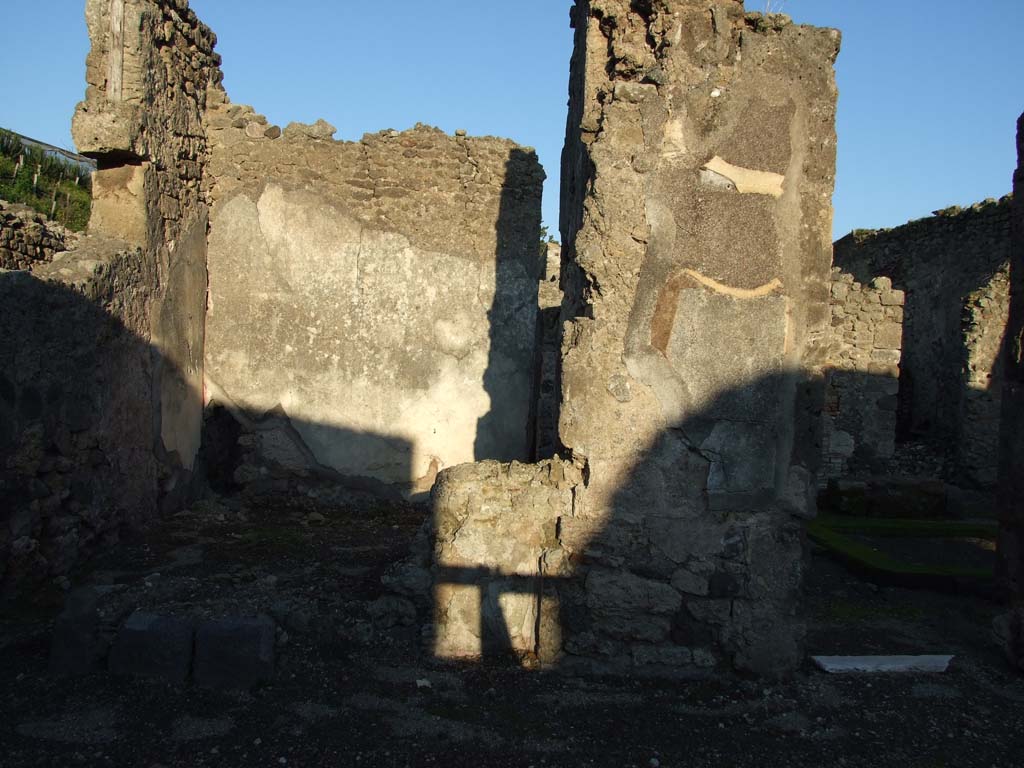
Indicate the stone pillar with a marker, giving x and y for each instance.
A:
(1010, 628)
(148, 72)
(697, 180)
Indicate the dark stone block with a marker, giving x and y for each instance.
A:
(153, 646)
(234, 653)
(76, 647)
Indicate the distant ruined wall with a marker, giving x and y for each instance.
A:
(696, 216)
(862, 378)
(101, 351)
(1011, 478)
(28, 238)
(954, 269)
(373, 304)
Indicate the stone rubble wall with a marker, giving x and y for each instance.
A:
(373, 304)
(1010, 628)
(28, 238)
(954, 269)
(101, 390)
(862, 378)
(696, 215)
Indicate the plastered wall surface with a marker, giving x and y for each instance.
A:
(954, 269)
(380, 296)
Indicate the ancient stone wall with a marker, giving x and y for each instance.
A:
(28, 238)
(954, 269)
(1011, 478)
(696, 213)
(862, 377)
(550, 350)
(373, 304)
(100, 397)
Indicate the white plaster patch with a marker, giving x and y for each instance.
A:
(748, 181)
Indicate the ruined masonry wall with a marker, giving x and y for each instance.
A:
(696, 221)
(954, 269)
(100, 393)
(373, 304)
(27, 237)
(700, 172)
(862, 375)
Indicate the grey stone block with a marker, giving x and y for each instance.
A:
(153, 646)
(234, 653)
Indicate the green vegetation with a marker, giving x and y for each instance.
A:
(53, 186)
(834, 534)
(918, 529)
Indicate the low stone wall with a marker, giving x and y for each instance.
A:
(862, 375)
(373, 304)
(28, 238)
(953, 268)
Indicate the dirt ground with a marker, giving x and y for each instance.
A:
(354, 688)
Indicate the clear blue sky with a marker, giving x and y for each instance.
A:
(929, 89)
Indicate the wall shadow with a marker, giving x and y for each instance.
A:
(80, 452)
(507, 431)
(699, 553)
(82, 457)
(267, 452)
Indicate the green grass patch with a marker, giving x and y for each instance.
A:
(836, 534)
(916, 529)
(850, 612)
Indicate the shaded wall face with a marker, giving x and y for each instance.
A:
(1011, 468)
(380, 296)
(953, 268)
(696, 216)
(76, 420)
(102, 347)
(862, 375)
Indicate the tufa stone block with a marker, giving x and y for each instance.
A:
(234, 652)
(153, 646)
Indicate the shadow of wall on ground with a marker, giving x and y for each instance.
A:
(513, 310)
(938, 421)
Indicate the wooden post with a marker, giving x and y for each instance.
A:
(115, 77)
